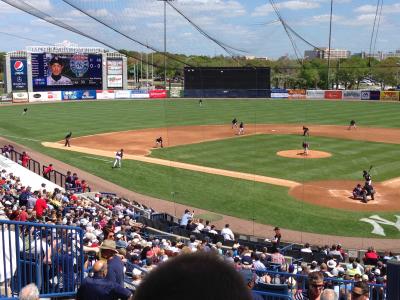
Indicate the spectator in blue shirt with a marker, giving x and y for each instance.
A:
(115, 265)
(100, 288)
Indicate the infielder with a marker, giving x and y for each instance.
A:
(118, 158)
(67, 138)
(159, 142)
(352, 125)
(306, 146)
(234, 123)
(241, 128)
(306, 131)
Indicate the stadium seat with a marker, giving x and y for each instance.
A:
(278, 289)
(307, 257)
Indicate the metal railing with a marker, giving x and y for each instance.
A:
(51, 256)
(297, 282)
(55, 176)
(33, 165)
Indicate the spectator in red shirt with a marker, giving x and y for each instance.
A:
(77, 184)
(40, 206)
(47, 171)
(23, 215)
(370, 255)
(84, 186)
(25, 159)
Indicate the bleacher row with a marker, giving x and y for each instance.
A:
(147, 238)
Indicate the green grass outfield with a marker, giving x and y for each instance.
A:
(265, 203)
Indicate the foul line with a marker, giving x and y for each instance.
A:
(185, 166)
(18, 137)
(105, 160)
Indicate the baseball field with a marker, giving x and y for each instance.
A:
(206, 164)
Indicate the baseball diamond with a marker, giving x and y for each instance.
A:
(202, 153)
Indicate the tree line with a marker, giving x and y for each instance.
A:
(285, 72)
(289, 73)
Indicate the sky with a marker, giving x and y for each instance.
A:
(243, 27)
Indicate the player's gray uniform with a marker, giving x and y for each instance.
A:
(62, 81)
(118, 159)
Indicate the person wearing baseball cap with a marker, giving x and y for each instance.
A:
(360, 291)
(56, 66)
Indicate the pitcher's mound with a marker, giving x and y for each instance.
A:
(300, 154)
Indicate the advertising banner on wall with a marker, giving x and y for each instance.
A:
(333, 94)
(365, 95)
(389, 95)
(140, 94)
(20, 97)
(352, 94)
(79, 95)
(122, 94)
(297, 94)
(19, 77)
(105, 94)
(158, 94)
(45, 96)
(114, 81)
(279, 93)
(315, 94)
(175, 92)
(370, 95)
(6, 98)
(56, 71)
(114, 73)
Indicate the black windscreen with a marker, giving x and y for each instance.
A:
(227, 78)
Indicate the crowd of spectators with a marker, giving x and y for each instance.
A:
(128, 253)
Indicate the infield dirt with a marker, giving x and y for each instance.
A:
(336, 194)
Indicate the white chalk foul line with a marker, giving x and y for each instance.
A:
(18, 137)
(95, 158)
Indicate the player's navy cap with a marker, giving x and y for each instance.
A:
(56, 60)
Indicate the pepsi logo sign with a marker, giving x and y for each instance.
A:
(18, 66)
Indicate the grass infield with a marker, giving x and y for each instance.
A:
(254, 154)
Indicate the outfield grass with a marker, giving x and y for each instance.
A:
(265, 203)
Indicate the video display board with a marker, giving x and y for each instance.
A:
(66, 71)
(19, 78)
(227, 78)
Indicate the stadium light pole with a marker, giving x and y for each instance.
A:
(165, 42)
(329, 47)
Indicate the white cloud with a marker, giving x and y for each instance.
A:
(265, 9)
(362, 20)
(102, 12)
(369, 9)
(324, 18)
(227, 8)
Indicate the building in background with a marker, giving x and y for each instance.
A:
(324, 52)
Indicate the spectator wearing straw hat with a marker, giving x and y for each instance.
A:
(115, 265)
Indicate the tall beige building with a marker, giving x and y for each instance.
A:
(324, 52)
